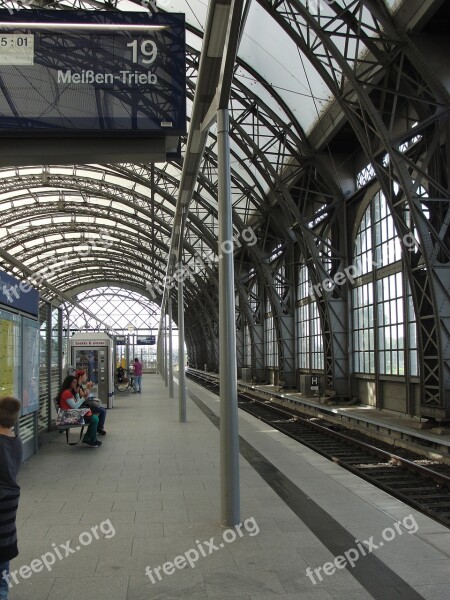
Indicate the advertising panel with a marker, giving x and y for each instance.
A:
(30, 369)
(10, 359)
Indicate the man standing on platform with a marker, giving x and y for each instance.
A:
(137, 376)
(10, 461)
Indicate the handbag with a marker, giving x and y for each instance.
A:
(74, 416)
(92, 405)
(94, 401)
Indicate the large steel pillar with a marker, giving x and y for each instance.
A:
(229, 435)
(170, 369)
(166, 366)
(161, 350)
(127, 354)
(181, 358)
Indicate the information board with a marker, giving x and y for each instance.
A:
(92, 71)
(146, 340)
(19, 295)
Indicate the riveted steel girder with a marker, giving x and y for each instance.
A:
(352, 80)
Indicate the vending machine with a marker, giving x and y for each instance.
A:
(93, 352)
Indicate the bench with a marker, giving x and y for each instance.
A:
(67, 428)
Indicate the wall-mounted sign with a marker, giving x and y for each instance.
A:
(90, 343)
(146, 340)
(20, 295)
(92, 71)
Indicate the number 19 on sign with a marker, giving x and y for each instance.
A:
(145, 52)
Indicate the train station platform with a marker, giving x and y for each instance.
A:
(139, 518)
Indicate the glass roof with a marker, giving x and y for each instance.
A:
(264, 47)
(116, 307)
(90, 218)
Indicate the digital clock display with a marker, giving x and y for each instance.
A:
(16, 49)
(86, 71)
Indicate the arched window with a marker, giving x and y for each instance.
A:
(309, 329)
(271, 340)
(247, 347)
(130, 315)
(384, 327)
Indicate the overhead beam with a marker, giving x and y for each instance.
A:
(12, 260)
(214, 60)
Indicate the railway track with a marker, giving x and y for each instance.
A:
(425, 488)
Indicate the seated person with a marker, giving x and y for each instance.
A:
(68, 398)
(85, 388)
(120, 374)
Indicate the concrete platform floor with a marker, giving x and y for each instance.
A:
(151, 494)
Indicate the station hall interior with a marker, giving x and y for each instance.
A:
(251, 198)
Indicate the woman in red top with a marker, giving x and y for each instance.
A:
(70, 398)
(85, 393)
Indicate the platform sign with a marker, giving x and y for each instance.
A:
(18, 295)
(146, 340)
(314, 382)
(92, 71)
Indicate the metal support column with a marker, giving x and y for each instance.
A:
(127, 354)
(48, 357)
(68, 358)
(60, 347)
(160, 350)
(170, 370)
(158, 354)
(229, 435)
(181, 358)
(166, 365)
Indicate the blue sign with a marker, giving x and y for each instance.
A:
(93, 72)
(20, 295)
(146, 340)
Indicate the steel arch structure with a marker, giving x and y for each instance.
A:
(286, 187)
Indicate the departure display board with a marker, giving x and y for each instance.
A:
(92, 71)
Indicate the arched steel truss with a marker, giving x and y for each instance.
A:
(381, 93)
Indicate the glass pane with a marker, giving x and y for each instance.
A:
(394, 363)
(30, 372)
(414, 364)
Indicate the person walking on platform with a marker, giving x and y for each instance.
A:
(10, 461)
(137, 376)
